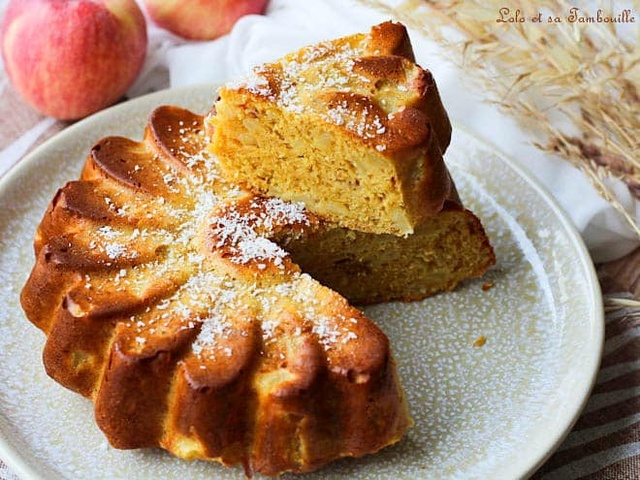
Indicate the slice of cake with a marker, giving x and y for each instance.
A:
(352, 128)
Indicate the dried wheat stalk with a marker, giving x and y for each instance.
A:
(616, 303)
(574, 85)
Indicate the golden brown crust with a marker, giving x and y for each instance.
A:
(389, 38)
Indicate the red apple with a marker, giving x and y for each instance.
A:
(201, 19)
(70, 58)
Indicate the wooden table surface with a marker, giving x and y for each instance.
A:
(614, 450)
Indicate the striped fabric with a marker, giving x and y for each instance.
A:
(605, 441)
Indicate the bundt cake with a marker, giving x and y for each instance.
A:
(352, 128)
(216, 322)
(167, 300)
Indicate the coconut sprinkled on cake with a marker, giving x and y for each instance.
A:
(363, 121)
(113, 243)
(246, 231)
(214, 329)
(170, 242)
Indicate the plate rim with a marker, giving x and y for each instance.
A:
(526, 464)
(597, 307)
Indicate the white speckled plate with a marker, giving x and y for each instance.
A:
(492, 411)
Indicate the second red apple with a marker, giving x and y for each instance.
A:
(201, 19)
